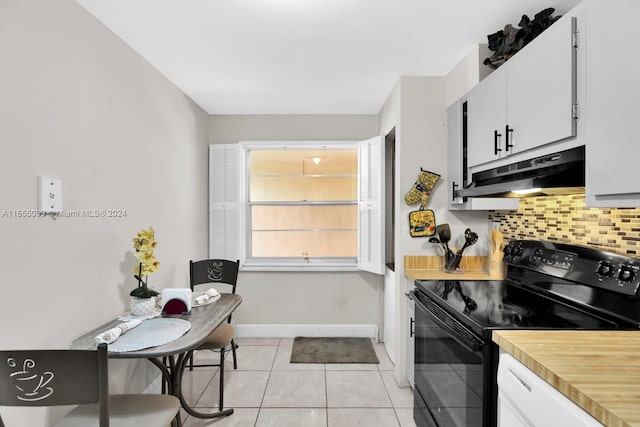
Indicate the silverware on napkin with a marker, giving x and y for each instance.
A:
(211, 293)
(114, 333)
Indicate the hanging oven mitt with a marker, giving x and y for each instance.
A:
(422, 223)
(421, 189)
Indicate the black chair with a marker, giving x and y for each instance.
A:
(216, 272)
(78, 377)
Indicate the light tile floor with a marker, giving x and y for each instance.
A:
(268, 391)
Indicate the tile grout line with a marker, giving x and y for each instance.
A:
(326, 395)
(386, 389)
(264, 393)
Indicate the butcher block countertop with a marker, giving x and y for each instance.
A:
(421, 267)
(598, 370)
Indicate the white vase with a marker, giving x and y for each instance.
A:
(142, 306)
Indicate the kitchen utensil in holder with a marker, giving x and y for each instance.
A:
(448, 265)
(452, 262)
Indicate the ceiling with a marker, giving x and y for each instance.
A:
(304, 56)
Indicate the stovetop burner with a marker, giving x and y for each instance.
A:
(509, 313)
(513, 310)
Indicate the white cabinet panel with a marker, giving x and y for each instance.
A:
(487, 111)
(613, 96)
(525, 399)
(454, 153)
(390, 313)
(411, 340)
(541, 90)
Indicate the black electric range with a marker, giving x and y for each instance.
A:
(548, 286)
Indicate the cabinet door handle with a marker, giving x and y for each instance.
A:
(507, 131)
(496, 144)
(411, 329)
(453, 191)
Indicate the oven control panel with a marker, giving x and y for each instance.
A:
(553, 258)
(584, 265)
(523, 253)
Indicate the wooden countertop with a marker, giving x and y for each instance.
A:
(424, 267)
(598, 370)
(422, 274)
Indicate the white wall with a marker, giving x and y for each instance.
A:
(417, 108)
(76, 103)
(467, 73)
(293, 298)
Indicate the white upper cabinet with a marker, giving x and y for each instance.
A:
(457, 128)
(613, 102)
(576, 84)
(529, 101)
(541, 90)
(486, 120)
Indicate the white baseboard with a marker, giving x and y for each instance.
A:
(291, 331)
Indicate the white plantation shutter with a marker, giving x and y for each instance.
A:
(370, 205)
(224, 201)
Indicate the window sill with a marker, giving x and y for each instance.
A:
(313, 267)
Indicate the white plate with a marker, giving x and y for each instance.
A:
(150, 333)
(197, 294)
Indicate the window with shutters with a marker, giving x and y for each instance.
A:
(303, 203)
(300, 206)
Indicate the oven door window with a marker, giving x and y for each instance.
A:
(448, 372)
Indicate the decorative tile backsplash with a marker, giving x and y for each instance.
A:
(566, 219)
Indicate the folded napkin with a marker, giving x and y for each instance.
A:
(114, 333)
(211, 293)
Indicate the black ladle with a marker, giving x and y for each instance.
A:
(470, 238)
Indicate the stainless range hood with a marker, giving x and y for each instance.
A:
(557, 173)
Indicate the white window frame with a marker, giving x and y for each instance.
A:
(229, 209)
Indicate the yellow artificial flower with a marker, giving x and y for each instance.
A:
(144, 237)
(150, 267)
(147, 234)
(144, 243)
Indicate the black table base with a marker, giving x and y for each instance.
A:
(172, 384)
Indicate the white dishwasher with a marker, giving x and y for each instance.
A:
(526, 400)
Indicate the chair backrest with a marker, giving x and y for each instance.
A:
(55, 377)
(215, 272)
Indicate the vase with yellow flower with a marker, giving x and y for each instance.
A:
(143, 299)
